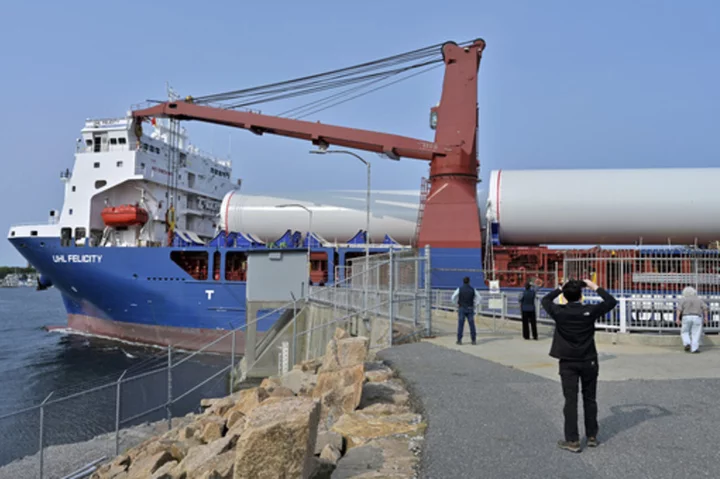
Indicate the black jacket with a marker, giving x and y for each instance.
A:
(574, 338)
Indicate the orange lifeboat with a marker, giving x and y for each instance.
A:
(124, 215)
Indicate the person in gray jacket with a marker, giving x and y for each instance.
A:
(692, 312)
(527, 310)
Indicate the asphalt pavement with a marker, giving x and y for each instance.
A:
(492, 420)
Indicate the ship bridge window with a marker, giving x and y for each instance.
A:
(235, 266)
(65, 234)
(194, 263)
(122, 141)
(113, 141)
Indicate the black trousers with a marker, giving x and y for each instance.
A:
(529, 320)
(587, 373)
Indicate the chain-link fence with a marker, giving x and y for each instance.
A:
(391, 289)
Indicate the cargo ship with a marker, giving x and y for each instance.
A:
(132, 264)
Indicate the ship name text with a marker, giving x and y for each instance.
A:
(77, 258)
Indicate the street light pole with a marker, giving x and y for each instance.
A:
(367, 221)
(310, 214)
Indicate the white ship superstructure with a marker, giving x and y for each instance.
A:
(114, 167)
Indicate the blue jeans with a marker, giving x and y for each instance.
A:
(463, 314)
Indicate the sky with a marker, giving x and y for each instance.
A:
(562, 84)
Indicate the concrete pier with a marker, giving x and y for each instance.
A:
(495, 409)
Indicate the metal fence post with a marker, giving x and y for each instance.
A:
(416, 309)
(428, 293)
(42, 431)
(232, 361)
(168, 407)
(117, 413)
(391, 293)
(623, 315)
(294, 344)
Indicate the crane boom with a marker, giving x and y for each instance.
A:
(393, 145)
(451, 216)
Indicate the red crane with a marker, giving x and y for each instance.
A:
(451, 218)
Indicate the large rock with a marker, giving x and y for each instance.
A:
(384, 393)
(358, 427)
(146, 466)
(322, 469)
(339, 392)
(217, 406)
(344, 353)
(278, 441)
(326, 438)
(310, 366)
(386, 458)
(377, 372)
(330, 453)
(271, 383)
(112, 469)
(282, 392)
(218, 455)
(164, 471)
(299, 382)
(248, 399)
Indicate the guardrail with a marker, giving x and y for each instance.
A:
(632, 314)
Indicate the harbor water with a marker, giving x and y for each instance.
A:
(35, 363)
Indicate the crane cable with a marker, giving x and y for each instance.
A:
(351, 79)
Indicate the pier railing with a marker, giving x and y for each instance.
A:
(635, 312)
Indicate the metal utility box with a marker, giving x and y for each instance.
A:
(274, 275)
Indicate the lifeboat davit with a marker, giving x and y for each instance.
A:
(124, 215)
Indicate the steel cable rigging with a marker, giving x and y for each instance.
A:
(350, 80)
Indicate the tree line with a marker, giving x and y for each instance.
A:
(6, 270)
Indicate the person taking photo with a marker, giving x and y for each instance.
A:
(574, 346)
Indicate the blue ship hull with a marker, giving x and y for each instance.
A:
(138, 294)
(142, 295)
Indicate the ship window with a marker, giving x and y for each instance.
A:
(65, 234)
(70, 211)
(121, 141)
(88, 142)
(33, 233)
(73, 188)
(235, 266)
(216, 266)
(100, 183)
(194, 263)
(145, 146)
(113, 141)
(119, 164)
(96, 165)
(79, 233)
